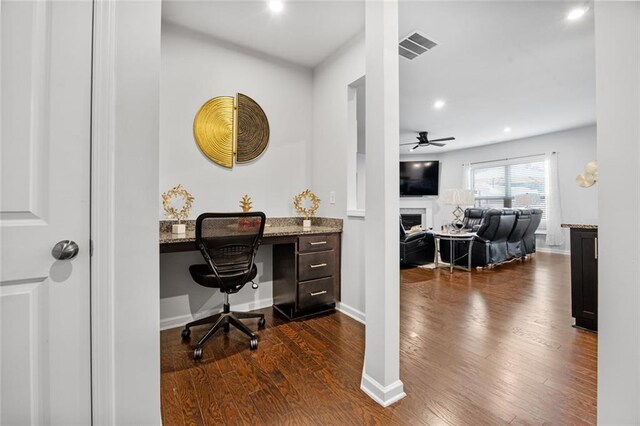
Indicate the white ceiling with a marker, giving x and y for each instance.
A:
(500, 64)
(305, 33)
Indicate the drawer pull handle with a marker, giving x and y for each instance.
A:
(318, 293)
(317, 243)
(319, 265)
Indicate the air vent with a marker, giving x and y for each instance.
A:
(415, 44)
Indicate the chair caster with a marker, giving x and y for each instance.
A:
(225, 328)
(253, 344)
(186, 333)
(261, 322)
(197, 354)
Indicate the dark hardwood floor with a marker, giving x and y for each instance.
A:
(480, 348)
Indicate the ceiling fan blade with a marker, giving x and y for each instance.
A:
(443, 139)
(417, 146)
(409, 143)
(437, 144)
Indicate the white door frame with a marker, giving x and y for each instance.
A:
(102, 206)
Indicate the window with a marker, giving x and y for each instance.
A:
(496, 186)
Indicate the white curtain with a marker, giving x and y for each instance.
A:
(555, 236)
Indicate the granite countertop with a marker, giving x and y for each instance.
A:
(578, 226)
(275, 227)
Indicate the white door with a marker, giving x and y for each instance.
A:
(45, 87)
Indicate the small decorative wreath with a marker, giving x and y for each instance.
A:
(172, 212)
(315, 203)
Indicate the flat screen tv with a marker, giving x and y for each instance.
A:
(419, 178)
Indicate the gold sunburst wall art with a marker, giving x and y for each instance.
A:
(229, 130)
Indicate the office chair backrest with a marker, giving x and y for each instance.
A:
(230, 240)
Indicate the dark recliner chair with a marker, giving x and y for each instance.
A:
(228, 242)
(515, 243)
(417, 248)
(473, 218)
(490, 244)
(529, 237)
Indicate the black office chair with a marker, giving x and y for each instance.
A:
(228, 242)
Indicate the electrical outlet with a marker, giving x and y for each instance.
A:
(332, 197)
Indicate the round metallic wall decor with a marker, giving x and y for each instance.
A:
(225, 128)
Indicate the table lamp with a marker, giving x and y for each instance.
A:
(458, 197)
(527, 199)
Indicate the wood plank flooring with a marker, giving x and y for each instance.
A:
(481, 348)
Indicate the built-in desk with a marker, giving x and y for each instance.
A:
(306, 263)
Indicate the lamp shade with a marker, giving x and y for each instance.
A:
(527, 199)
(458, 197)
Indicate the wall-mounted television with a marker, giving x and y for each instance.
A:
(419, 178)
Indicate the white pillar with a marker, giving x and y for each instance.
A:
(618, 113)
(381, 375)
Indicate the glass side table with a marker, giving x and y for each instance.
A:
(452, 237)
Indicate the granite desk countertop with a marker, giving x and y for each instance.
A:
(275, 227)
(578, 226)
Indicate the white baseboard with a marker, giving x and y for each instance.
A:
(351, 312)
(553, 250)
(180, 320)
(383, 395)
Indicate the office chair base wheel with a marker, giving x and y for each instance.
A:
(197, 353)
(225, 328)
(253, 344)
(261, 322)
(186, 333)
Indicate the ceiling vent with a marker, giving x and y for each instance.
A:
(415, 44)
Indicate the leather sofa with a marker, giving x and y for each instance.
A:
(473, 219)
(529, 237)
(502, 235)
(515, 243)
(416, 248)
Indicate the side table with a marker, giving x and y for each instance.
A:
(452, 237)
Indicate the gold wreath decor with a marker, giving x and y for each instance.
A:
(172, 212)
(315, 203)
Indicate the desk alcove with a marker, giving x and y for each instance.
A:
(305, 263)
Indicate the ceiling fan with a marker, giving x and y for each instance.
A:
(423, 140)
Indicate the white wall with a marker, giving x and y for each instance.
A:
(329, 161)
(618, 109)
(194, 69)
(575, 148)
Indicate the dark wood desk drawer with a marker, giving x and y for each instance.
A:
(315, 293)
(316, 243)
(315, 265)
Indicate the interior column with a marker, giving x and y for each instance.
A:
(381, 375)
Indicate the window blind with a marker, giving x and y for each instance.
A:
(496, 186)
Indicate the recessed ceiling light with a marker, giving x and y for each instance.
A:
(576, 13)
(276, 6)
(412, 149)
(507, 129)
(439, 104)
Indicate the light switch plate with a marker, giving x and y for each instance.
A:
(332, 197)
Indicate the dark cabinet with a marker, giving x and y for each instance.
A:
(306, 275)
(584, 277)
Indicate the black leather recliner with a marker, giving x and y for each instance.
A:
(473, 218)
(489, 245)
(529, 237)
(515, 243)
(417, 248)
